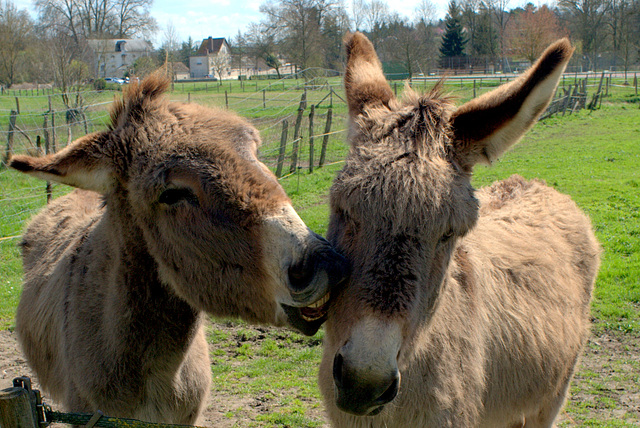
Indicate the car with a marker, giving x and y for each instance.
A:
(117, 80)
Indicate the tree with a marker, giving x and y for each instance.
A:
(168, 51)
(132, 18)
(96, 19)
(501, 17)
(531, 31)
(405, 44)
(219, 62)
(144, 66)
(485, 40)
(622, 14)
(16, 32)
(469, 16)
(358, 10)
(187, 49)
(297, 28)
(376, 13)
(272, 61)
(587, 20)
(454, 39)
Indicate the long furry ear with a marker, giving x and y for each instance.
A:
(364, 81)
(84, 164)
(487, 126)
(139, 98)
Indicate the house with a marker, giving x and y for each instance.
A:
(115, 57)
(179, 71)
(212, 56)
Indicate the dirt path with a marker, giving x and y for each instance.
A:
(606, 386)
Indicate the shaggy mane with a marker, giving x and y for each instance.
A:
(137, 97)
(421, 118)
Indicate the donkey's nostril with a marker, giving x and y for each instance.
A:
(300, 275)
(338, 362)
(390, 392)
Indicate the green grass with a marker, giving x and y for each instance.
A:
(594, 157)
(277, 366)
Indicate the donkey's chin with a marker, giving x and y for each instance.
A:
(308, 319)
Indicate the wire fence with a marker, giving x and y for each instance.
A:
(39, 122)
(302, 123)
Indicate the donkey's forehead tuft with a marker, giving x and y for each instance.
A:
(139, 97)
(420, 124)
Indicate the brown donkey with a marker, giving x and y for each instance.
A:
(176, 217)
(464, 308)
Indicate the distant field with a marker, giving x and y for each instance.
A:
(266, 377)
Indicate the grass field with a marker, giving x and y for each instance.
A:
(267, 377)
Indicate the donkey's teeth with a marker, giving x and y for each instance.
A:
(315, 310)
(320, 302)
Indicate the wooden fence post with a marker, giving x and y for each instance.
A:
(325, 138)
(12, 128)
(53, 126)
(16, 410)
(47, 145)
(226, 100)
(474, 87)
(296, 133)
(311, 114)
(635, 81)
(283, 147)
(264, 98)
(18, 105)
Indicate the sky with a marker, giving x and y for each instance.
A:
(223, 18)
(200, 19)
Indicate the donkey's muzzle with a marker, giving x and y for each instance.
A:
(321, 269)
(311, 281)
(360, 392)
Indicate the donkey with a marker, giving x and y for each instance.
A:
(464, 308)
(174, 217)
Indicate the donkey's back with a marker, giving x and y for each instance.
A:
(50, 248)
(536, 258)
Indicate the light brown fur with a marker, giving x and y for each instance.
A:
(464, 308)
(175, 217)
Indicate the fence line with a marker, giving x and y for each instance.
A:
(37, 119)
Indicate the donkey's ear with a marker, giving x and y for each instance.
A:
(364, 81)
(82, 164)
(486, 126)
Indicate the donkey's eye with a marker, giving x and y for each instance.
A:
(447, 236)
(176, 195)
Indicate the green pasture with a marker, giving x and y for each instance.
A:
(592, 156)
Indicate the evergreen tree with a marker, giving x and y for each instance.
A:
(454, 39)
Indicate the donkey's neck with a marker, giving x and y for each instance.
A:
(137, 301)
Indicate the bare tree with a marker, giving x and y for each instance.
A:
(220, 62)
(16, 32)
(96, 18)
(170, 41)
(532, 30)
(425, 11)
(297, 27)
(376, 13)
(132, 18)
(358, 11)
(501, 16)
(621, 19)
(587, 19)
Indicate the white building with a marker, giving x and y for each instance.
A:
(212, 55)
(114, 57)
